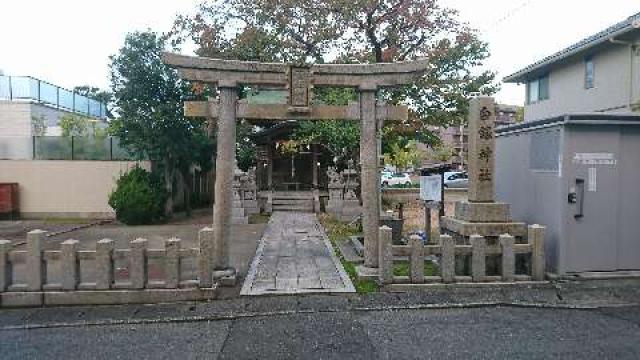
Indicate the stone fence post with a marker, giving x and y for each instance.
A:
(448, 266)
(205, 257)
(5, 265)
(478, 257)
(172, 263)
(508, 257)
(104, 264)
(416, 259)
(536, 239)
(385, 254)
(70, 264)
(138, 264)
(35, 266)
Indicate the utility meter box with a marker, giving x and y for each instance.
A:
(580, 176)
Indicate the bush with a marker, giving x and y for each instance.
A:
(139, 198)
(405, 186)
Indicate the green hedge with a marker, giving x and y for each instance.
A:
(139, 198)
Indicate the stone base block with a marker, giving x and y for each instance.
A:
(466, 228)
(106, 297)
(21, 299)
(240, 221)
(225, 278)
(482, 212)
(367, 273)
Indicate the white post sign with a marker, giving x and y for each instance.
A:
(430, 187)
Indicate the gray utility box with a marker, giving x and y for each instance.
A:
(580, 176)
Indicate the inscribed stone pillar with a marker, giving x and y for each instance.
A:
(370, 186)
(482, 118)
(225, 163)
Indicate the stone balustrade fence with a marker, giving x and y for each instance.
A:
(37, 284)
(447, 251)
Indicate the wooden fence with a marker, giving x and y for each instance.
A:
(73, 265)
(447, 251)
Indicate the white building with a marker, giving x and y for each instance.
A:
(24, 99)
(598, 74)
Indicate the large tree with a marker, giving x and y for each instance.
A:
(104, 96)
(148, 98)
(365, 31)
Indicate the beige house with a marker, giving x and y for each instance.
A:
(598, 74)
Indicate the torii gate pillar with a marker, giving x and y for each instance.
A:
(369, 183)
(225, 167)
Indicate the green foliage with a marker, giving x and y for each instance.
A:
(74, 125)
(440, 153)
(148, 97)
(245, 147)
(337, 230)
(340, 138)
(138, 198)
(403, 157)
(39, 125)
(405, 186)
(356, 31)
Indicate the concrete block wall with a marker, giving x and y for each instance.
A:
(70, 276)
(448, 250)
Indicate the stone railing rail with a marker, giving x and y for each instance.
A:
(448, 250)
(53, 277)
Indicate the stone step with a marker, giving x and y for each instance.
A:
(307, 209)
(292, 195)
(292, 201)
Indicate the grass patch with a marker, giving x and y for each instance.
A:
(337, 230)
(259, 218)
(403, 268)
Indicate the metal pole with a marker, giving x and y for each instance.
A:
(427, 222)
(442, 192)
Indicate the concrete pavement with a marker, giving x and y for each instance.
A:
(485, 332)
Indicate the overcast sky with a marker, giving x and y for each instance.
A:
(68, 42)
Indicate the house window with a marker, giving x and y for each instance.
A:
(538, 89)
(588, 73)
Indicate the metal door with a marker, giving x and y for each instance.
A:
(591, 228)
(629, 200)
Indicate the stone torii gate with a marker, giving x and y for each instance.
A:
(227, 75)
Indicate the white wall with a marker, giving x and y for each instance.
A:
(65, 188)
(15, 118)
(567, 93)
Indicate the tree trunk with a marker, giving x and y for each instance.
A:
(168, 183)
(187, 178)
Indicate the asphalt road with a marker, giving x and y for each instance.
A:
(481, 333)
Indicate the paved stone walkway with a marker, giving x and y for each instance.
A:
(295, 256)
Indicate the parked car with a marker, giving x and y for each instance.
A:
(456, 179)
(391, 179)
